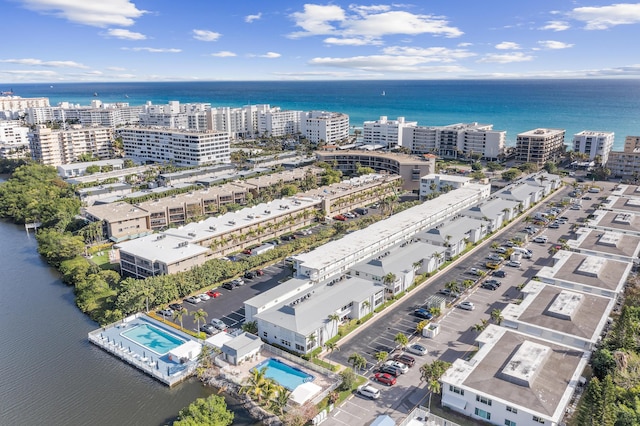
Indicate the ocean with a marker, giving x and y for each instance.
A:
(512, 105)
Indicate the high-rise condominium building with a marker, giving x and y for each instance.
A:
(325, 127)
(386, 133)
(626, 163)
(179, 147)
(57, 147)
(540, 145)
(595, 144)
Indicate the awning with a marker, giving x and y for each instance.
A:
(383, 420)
(454, 402)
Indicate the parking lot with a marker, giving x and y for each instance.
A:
(457, 335)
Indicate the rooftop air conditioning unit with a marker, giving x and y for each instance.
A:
(232, 222)
(267, 211)
(192, 234)
(212, 228)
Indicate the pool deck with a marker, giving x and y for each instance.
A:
(160, 367)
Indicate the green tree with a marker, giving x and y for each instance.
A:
(603, 363)
(334, 318)
(178, 314)
(401, 339)
(332, 346)
(431, 372)
(389, 279)
(511, 174)
(211, 411)
(255, 384)
(250, 327)
(496, 316)
(357, 361)
(348, 379)
(198, 316)
(381, 356)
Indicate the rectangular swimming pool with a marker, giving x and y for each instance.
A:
(152, 338)
(286, 375)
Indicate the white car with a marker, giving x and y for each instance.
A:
(467, 306)
(417, 349)
(501, 250)
(399, 365)
(369, 391)
(219, 324)
(514, 263)
(204, 296)
(541, 239)
(192, 299)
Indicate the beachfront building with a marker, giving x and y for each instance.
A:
(409, 168)
(14, 140)
(385, 133)
(190, 116)
(180, 147)
(57, 147)
(13, 107)
(298, 313)
(434, 183)
(596, 145)
(158, 254)
(626, 163)
(514, 379)
(336, 257)
(96, 114)
(276, 122)
(322, 127)
(240, 123)
(540, 145)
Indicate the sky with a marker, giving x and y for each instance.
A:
(210, 40)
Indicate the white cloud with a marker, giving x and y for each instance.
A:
(30, 72)
(271, 55)
(351, 41)
(465, 44)
(125, 34)
(429, 54)
(41, 63)
(507, 45)
(94, 13)
(151, 49)
(205, 35)
(250, 18)
(95, 72)
(365, 10)
(556, 26)
(367, 23)
(116, 69)
(505, 58)
(223, 54)
(552, 44)
(604, 17)
(386, 63)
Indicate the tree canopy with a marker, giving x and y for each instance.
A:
(211, 411)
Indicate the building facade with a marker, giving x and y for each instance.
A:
(384, 132)
(57, 147)
(595, 144)
(626, 163)
(540, 145)
(14, 140)
(321, 127)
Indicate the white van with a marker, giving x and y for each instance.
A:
(369, 391)
(526, 253)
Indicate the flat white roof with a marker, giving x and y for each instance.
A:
(162, 248)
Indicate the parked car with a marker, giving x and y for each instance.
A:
(204, 296)
(165, 312)
(219, 324)
(474, 271)
(541, 239)
(586, 198)
(488, 286)
(514, 263)
(404, 369)
(369, 391)
(405, 359)
(417, 349)
(501, 250)
(492, 265)
(228, 285)
(259, 272)
(209, 329)
(447, 292)
(494, 282)
(499, 274)
(340, 217)
(176, 306)
(467, 306)
(238, 282)
(423, 313)
(554, 225)
(563, 218)
(495, 257)
(387, 369)
(385, 378)
(213, 293)
(192, 299)
(250, 275)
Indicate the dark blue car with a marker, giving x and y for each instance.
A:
(422, 313)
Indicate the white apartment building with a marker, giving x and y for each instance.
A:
(441, 183)
(57, 147)
(626, 163)
(321, 127)
(540, 145)
(275, 122)
(12, 106)
(238, 122)
(191, 116)
(455, 140)
(594, 143)
(180, 147)
(385, 133)
(97, 114)
(14, 140)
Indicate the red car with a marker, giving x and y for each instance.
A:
(213, 293)
(259, 272)
(385, 378)
(340, 217)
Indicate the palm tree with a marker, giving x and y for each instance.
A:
(332, 346)
(496, 316)
(178, 314)
(282, 399)
(453, 287)
(495, 245)
(199, 315)
(255, 384)
(401, 339)
(334, 318)
(389, 279)
(312, 340)
(467, 284)
(250, 327)
(357, 361)
(478, 328)
(381, 356)
(366, 305)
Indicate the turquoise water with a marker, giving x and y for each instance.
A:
(285, 375)
(511, 105)
(157, 341)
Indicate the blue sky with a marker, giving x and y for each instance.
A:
(207, 40)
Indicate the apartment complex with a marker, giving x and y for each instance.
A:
(96, 114)
(238, 122)
(11, 107)
(626, 163)
(410, 168)
(594, 144)
(57, 147)
(441, 183)
(320, 127)
(540, 145)
(385, 133)
(175, 115)
(14, 140)
(180, 147)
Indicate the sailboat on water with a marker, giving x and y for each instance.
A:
(383, 93)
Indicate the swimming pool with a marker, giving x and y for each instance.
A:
(286, 375)
(152, 338)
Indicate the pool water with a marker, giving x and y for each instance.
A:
(154, 339)
(286, 375)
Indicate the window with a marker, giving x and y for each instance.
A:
(508, 422)
(483, 400)
(264, 334)
(299, 348)
(538, 419)
(512, 409)
(456, 390)
(285, 342)
(484, 414)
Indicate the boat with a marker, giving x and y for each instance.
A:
(95, 93)
(7, 92)
(383, 93)
(126, 96)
